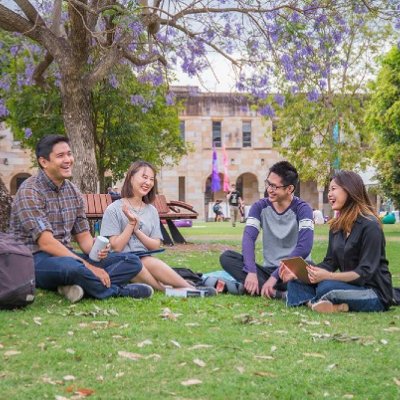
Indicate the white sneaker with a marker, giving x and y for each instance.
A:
(73, 293)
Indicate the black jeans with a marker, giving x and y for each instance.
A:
(232, 262)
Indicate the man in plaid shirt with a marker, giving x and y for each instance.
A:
(47, 211)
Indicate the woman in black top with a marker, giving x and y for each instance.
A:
(354, 274)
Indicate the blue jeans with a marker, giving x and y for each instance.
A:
(358, 298)
(51, 272)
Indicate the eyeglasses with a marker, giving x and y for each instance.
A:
(273, 187)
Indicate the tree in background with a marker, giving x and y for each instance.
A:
(131, 127)
(5, 207)
(383, 119)
(320, 120)
(86, 39)
(131, 119)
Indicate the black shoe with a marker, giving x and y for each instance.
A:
(280, 295)
(137, 291)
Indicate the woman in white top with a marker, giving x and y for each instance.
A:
(132, 225)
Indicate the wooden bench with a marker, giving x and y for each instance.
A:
(170, 211)
(96, 204)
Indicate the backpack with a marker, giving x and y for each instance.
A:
(216, 208)
(189, 275)
(223, 282)
(17, 273)
(396, 296)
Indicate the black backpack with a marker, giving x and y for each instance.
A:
(396, 296)
(17, 273)
(189, 275)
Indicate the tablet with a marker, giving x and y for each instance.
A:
(147, 252)
(298, 266)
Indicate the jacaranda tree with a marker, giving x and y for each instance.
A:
(86, 39)
(127, 127)
(320, 119)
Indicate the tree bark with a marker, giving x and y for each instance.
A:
(77, 115)
(5, 207)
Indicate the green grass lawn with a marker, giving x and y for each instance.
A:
(225, 347)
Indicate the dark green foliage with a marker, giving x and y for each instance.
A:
(304, 134)
(383, 119)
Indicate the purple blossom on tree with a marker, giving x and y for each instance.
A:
(267, 111)
(3, 109)
(170, 98)
(137, 100)
(5, 84)
(14, 50)
(113, 81)
(313, 95)
(28, 133)
(279, 99)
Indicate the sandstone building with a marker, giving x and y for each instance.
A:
(225, 120)
(15, 162)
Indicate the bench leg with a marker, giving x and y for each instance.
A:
(167, 239)
(176, 235)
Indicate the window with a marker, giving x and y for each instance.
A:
(182, 129)
(246, 130)
(216, 133)
(182, 193)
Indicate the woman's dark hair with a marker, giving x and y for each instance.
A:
(357, 203)
(287, 172)
(127, 190)
(45, 146)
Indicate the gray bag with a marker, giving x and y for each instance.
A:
(17, 273)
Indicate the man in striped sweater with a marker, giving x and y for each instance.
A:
(288, 231)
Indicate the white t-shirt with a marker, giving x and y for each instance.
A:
(115, 221)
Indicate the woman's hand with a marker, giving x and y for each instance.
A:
(133, 219)
(285, 273)
(317, 274)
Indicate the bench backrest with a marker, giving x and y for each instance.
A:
(160, 203)
(174, 209)
(96, 204)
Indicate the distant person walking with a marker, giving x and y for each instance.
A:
(217, 208)
(235, 200)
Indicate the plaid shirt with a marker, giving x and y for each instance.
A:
(40, 205)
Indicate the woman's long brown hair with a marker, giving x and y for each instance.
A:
(357, 203)
(127, 190)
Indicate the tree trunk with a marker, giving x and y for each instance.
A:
(102, 172)
(77, 115)
(5, 207)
